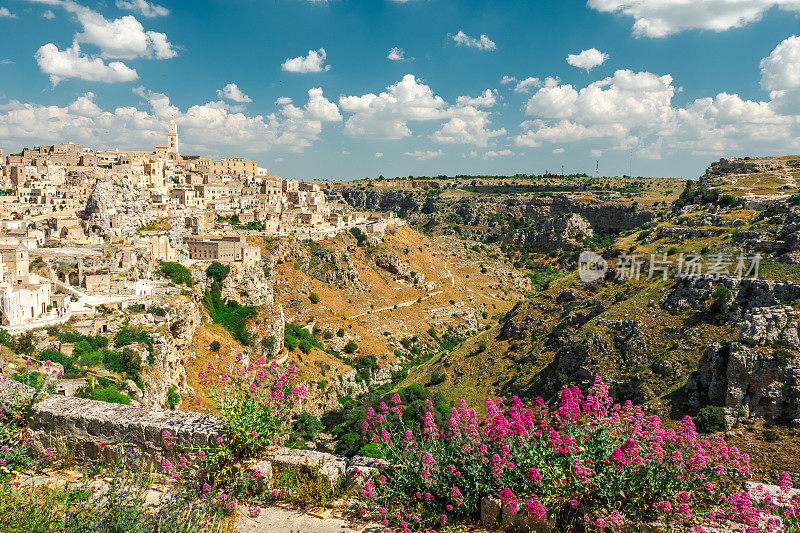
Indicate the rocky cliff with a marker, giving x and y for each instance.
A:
(116, 208)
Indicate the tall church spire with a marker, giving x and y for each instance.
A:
(172, 137)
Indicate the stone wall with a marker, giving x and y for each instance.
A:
(81, 428)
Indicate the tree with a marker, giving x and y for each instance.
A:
(314, 297)
(217, 271)
(350, 347)
(359, 235)
(215, 346)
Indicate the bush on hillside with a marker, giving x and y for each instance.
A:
(109, 395)
(710, 418)
(176, 273)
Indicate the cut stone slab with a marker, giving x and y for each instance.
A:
(359, 471)
(330, 466)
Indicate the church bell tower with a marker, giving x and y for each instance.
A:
(172, 137)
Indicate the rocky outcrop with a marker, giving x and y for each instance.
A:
(172, 347)
(402, 270)
(746, 293)
(560, 233)
(341, 271)
(248, 284)
(116, 208)
(729, 165)
(418, 207)
(766, 326)
(747, 381)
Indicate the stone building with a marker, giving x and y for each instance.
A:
(225, 249)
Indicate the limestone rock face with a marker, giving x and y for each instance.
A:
(728, 165)
(740, 378)
(394, 264)
(342, 270)
(172, 349)
(248, 285)
(747, 293)
(563, 233)
(116, 208)
(764, 326)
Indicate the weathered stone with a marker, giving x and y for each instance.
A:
(83, 428)
(491, 509)
(743, 379)
(360, 470)
(331, 467)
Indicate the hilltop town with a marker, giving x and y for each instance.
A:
(104, 219)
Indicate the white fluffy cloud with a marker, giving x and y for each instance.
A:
(780, 74)
(71, 63)
(122, 38)
(634, 110)
(522, 86)
(49, 14)
(781, 69)
(424, 155)
(396, 54)
(143, 7)
(660, 18)
(205, 128)
(386, 116)
(487, 98)
(587, 59)
(233, 92)
(5, 13)
(313, 62)
(481, 43)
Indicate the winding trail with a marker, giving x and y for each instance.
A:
(401, 304)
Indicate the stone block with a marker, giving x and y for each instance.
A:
(521, 522)
(262, 470)
(330, 466)
(359, 471)
(491, 509)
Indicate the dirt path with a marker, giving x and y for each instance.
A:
(279, 520)
(401, 304)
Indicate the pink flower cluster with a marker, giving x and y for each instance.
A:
(585, 462)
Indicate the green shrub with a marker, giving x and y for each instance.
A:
(436, 378)
(173, 398)
(176, 272)
(109, 395)
(314, 297)
(128, 335)
(290, 341)
(710, 418)
(359, 235)
(350, 347)
(728, 200)
(126, 361)
(217, 271)
(57, 357)
(782, 357)
(230, 314)
(215, 346)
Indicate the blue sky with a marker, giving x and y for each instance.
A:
(308, 89)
